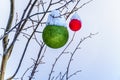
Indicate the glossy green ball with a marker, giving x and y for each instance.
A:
(55, 36)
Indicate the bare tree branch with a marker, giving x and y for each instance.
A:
(54, 64)
(22, 28)
(5, 41)
(36, 63)
(73, 53)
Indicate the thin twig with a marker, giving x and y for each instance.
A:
(53, 66)
(73, 9)
(73, 53)
(26, 71)
(36, 63)
(74, 73)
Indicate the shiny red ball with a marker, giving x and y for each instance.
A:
(75, 24)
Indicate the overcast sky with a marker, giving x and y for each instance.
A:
(99, 57)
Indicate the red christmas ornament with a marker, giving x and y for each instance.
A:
(75, 23)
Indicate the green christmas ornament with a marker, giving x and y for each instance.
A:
(55, 36)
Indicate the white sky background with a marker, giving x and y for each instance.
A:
(99, 58)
